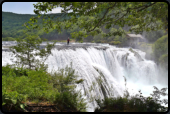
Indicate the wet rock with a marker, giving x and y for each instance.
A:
(136, 54)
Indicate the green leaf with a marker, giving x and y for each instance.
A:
(14, 101)
(3, 103)
(67, 3)
(22, 106)
(74, 4)
(108, 26)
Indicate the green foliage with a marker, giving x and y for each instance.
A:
(91, 16)
(11, 70)
(79, 81)
(13, 98)
(27, 49)
(102, 35)
(136, 103)
(64, 81)
(40, 86)
(13, 26)
(161, 45)
(163, 60)
(146, 47)
(17, 89)
(8, 39)
(114, 42)
(35, 83)
(152, 36)
(160, 49)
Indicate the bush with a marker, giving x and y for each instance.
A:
(21, 85)
(163, 60)
(64, 81)
(160, 47)
(136, 103)
(115, 43)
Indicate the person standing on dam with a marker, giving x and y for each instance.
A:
(68, 41)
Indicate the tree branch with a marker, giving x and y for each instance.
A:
(102, 17)
(132, 8)
(138, 7)
(120, 17)
(146, 7)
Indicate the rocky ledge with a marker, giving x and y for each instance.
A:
(71, 46)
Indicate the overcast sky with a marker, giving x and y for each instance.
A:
(23, 7)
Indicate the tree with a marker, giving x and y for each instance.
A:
(160, 50)
(8, 39)
(91, 16)
(28, 50)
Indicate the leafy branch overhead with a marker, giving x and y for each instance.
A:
(90, 17)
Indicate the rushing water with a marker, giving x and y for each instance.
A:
(110, 64)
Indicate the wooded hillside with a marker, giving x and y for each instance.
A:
(12, 27)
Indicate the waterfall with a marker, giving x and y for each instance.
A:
(110, 65)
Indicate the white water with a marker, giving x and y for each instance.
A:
(113, 63)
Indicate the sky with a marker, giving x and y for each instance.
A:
(23, 7)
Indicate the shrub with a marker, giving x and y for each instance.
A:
(20, 85)
(163, 60)
(160, 47)
(136, 103)
(64, 81)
